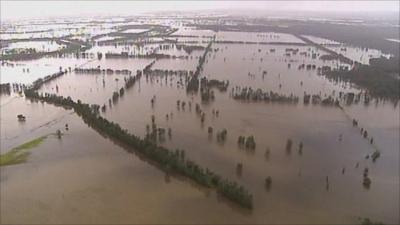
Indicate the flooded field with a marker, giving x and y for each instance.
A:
(25, 72)
(307, 165)
(256, 37)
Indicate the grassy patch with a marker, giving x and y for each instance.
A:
(20, 153)
(367, 221)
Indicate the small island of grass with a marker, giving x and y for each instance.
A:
(20, 153)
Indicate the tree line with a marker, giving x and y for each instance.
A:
(193, 84)
(168, 160)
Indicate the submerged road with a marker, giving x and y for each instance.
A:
(341, 57)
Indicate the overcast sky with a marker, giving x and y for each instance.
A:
(43, 9)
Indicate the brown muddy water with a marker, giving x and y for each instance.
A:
(86, 178)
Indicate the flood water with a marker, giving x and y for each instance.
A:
(86, 178)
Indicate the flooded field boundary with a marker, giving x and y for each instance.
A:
(263, 43)
(20, 153)
(363, 132)
(341, 57)
(168, 160)
(71, 46)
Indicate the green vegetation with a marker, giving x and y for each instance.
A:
(221, 136)
(248, 142)
(375, 155)
(20, 51)
(20, 154)
(241, 140)
(367, 182)
(366, 179)
(59, 134)
(206, 85)
(301, 148)
(380, 78)
(5, 88)
(249, 94)
(193, 84)
(333, 54)
(31, 144)
(190, 48)
(210, 130)
(367, 221)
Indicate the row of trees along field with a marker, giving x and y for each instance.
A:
(168, 160)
